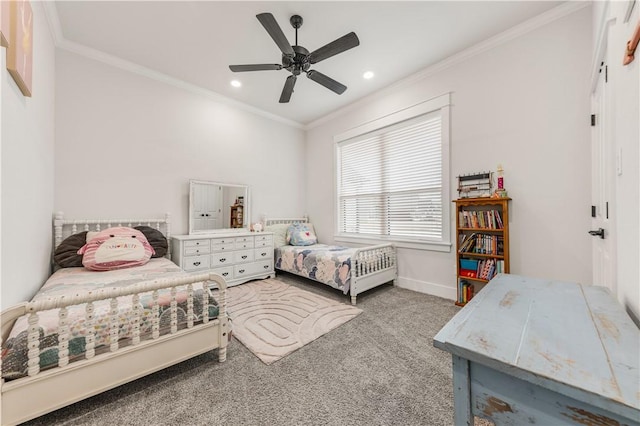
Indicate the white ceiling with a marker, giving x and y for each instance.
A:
(195, 42)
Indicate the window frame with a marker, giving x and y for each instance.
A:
(441, 103)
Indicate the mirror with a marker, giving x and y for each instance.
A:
(214, 206)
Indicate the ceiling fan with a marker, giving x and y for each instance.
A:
(297, 59)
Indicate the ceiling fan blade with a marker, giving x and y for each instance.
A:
(345, 42)
(287, 90)
(269, 23)
(255, 67)
(327, 82)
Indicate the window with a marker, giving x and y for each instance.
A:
(392, 177)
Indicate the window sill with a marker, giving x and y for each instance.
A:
(416, 245)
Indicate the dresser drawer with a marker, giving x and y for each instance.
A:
(193, 251)
(244, 242)
(264, 243)
(226, 272)
(253, 268)
(196, 263)
(222, 241)
(196, 243)
(243, 256)
(221, 259)
(227, 246)
(264, 238)
(263, 253)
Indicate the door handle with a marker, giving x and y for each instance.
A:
(598, 233)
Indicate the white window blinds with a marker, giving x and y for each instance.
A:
(390, 181)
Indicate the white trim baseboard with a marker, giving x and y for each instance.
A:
(426, 287)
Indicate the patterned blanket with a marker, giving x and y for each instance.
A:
(327, 264)
(70, 281)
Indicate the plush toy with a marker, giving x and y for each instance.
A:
(116, 248)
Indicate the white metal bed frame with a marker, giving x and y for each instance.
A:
(42, 392)
(371, 266)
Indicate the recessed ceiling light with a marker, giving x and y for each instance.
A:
(236, 83)
(368, 75)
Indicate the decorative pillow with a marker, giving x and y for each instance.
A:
(156, 239)
(300, 234)
(279, 233)
(116, 248)
(66, 254)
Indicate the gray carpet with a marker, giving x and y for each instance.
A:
(380, 368)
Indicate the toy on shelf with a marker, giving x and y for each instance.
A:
(500, 192)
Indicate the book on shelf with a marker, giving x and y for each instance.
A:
(481, 243)
(486, 219)
(465, 291)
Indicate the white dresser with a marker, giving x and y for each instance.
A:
(238, 256)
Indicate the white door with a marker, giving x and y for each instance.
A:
(213, 207)
(603, 175)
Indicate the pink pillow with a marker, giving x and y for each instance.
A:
(116, 248)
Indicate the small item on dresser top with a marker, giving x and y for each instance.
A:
(257, 227)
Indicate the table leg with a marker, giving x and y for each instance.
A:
(461, 392)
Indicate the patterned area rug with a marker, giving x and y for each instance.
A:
(273, 319)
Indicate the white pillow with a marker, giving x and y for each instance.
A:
(279, 233)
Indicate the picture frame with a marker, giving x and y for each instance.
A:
(5, 22)
(20, 50)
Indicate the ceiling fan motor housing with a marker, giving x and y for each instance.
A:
(298, 63)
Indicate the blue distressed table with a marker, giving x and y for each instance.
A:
(533, 351)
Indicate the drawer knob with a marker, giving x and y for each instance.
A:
(224, 274)
(241, 271)
(196, 263)
(224, 259)
(263, 254)
(266, 266)
(244, 257)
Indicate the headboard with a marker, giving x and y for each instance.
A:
(285, 220)
(62, 228)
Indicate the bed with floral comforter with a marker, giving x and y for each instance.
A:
(327, 264)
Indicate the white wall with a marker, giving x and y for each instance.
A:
(127, 145)
(27, 135)
(523, 104)
(624, 84)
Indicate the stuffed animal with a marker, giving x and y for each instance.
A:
(116, 248)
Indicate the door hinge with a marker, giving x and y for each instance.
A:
(606, 73)
(593, 211)
(593, 120)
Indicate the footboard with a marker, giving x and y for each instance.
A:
(44, 391)
(372, 266)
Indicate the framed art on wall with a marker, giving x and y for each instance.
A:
(20, 50)
(4, 23)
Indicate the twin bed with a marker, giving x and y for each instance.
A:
(86, 331)
(351, 270)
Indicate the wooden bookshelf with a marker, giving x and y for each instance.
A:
(482, 243)
(237, 216)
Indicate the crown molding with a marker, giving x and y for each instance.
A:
(79, 49)
(51, 14)
(513, 33)
(541, 20)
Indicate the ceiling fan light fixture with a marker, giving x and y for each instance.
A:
(368, 75)
(236, 83)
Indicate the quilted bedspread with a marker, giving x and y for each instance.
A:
(327, 264)
(70, 281)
